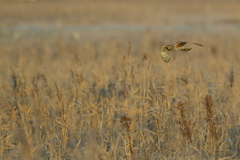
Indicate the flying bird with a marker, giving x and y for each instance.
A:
(165, 51)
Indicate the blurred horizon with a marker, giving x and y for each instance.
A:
(111, 16)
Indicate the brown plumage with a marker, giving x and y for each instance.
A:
(165, 51)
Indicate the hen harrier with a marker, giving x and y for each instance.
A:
(174, 47)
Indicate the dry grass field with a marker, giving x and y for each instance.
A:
(85, 80)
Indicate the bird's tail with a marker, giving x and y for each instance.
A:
(185, 49)
(197, 44)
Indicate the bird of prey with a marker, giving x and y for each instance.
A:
(165, 51)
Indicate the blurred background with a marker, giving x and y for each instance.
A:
(39, 33)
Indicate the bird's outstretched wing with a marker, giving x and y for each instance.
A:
(165, 53)
(184, 49)
(182, 43)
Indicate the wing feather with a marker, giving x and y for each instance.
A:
(198, 44)
(180, 44)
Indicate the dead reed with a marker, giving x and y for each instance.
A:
(126, 124)
(185, 125)
(208, 102)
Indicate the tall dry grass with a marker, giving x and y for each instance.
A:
(129, 109)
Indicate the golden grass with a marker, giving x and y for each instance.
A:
(97, 96)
